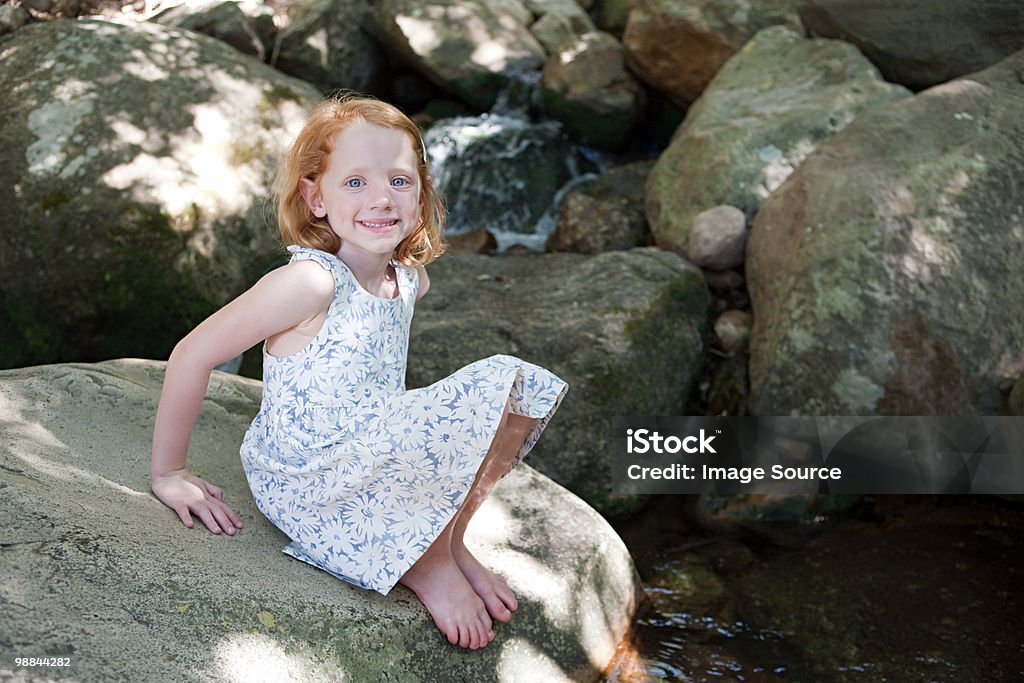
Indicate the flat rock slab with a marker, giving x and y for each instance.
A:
(96, 569)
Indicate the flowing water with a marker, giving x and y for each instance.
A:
(504, 174)
(899, 589)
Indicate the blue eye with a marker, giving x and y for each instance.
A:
(354, 183)
(400, 182)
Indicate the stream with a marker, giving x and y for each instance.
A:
(897, 588)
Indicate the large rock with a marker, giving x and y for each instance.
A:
(245, 26)
(96, 569)
(586, 86)
(557, 22)
(886, 272)
(605, 215)
(471, 48)
(920, 44)
(677, 46)
(326, 45)
(765, 111)
(136, 162)
(624, 329)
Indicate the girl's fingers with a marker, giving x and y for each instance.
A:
(184, 516)
(221, 515)
(204, 514)
(215, 491)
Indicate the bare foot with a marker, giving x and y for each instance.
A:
(444, 590)
(491, 588)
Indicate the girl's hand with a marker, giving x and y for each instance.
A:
(186, 493)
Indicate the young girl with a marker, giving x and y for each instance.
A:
(372, 483)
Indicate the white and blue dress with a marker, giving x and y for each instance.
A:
(361, 474)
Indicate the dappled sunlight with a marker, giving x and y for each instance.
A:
(522, 662)
(420, 33)
(537, 582)
(493, 524)
(255, 658)
(487, 51)
(143, 67)
(208, 168)
(34, 444)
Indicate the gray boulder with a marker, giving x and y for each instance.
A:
(624, 329)
(325, 43)
(921, 44)
(96, 569)
(885, 273)
(677, 46)
(472, 48)
(586, 86)
(557, 22)
(765, 111)
(137, 161)
(247, 27)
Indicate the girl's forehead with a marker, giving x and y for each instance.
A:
(368, 139)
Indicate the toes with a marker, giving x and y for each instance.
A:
(497, 609)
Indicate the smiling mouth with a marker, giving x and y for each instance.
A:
(379, 225)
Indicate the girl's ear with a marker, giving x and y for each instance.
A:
(311, 193)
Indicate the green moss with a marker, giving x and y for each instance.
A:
(274, 94)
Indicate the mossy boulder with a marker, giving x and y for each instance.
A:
(885, 273)
(472, 48)
(586, 86)
(97, 570)
(764, 112)
(136, 162)
(625, 329)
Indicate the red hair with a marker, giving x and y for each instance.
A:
(308, 158)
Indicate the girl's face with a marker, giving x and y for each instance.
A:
(370, 192)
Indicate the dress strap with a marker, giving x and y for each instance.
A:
(328, 261)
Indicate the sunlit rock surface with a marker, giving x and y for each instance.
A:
(624, 329)
(472, 48)
(885, 273)
(765, 111)
(96, 569)
(137, 161)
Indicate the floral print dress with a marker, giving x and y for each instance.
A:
(361, 474)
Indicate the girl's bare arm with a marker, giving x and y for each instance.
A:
(282, 299)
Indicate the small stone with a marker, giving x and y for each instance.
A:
(718, 238)
(732, 328)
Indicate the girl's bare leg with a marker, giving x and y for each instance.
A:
(456, 589)
(492, 589)
(444, 590)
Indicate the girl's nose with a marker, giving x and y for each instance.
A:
(381, 198)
